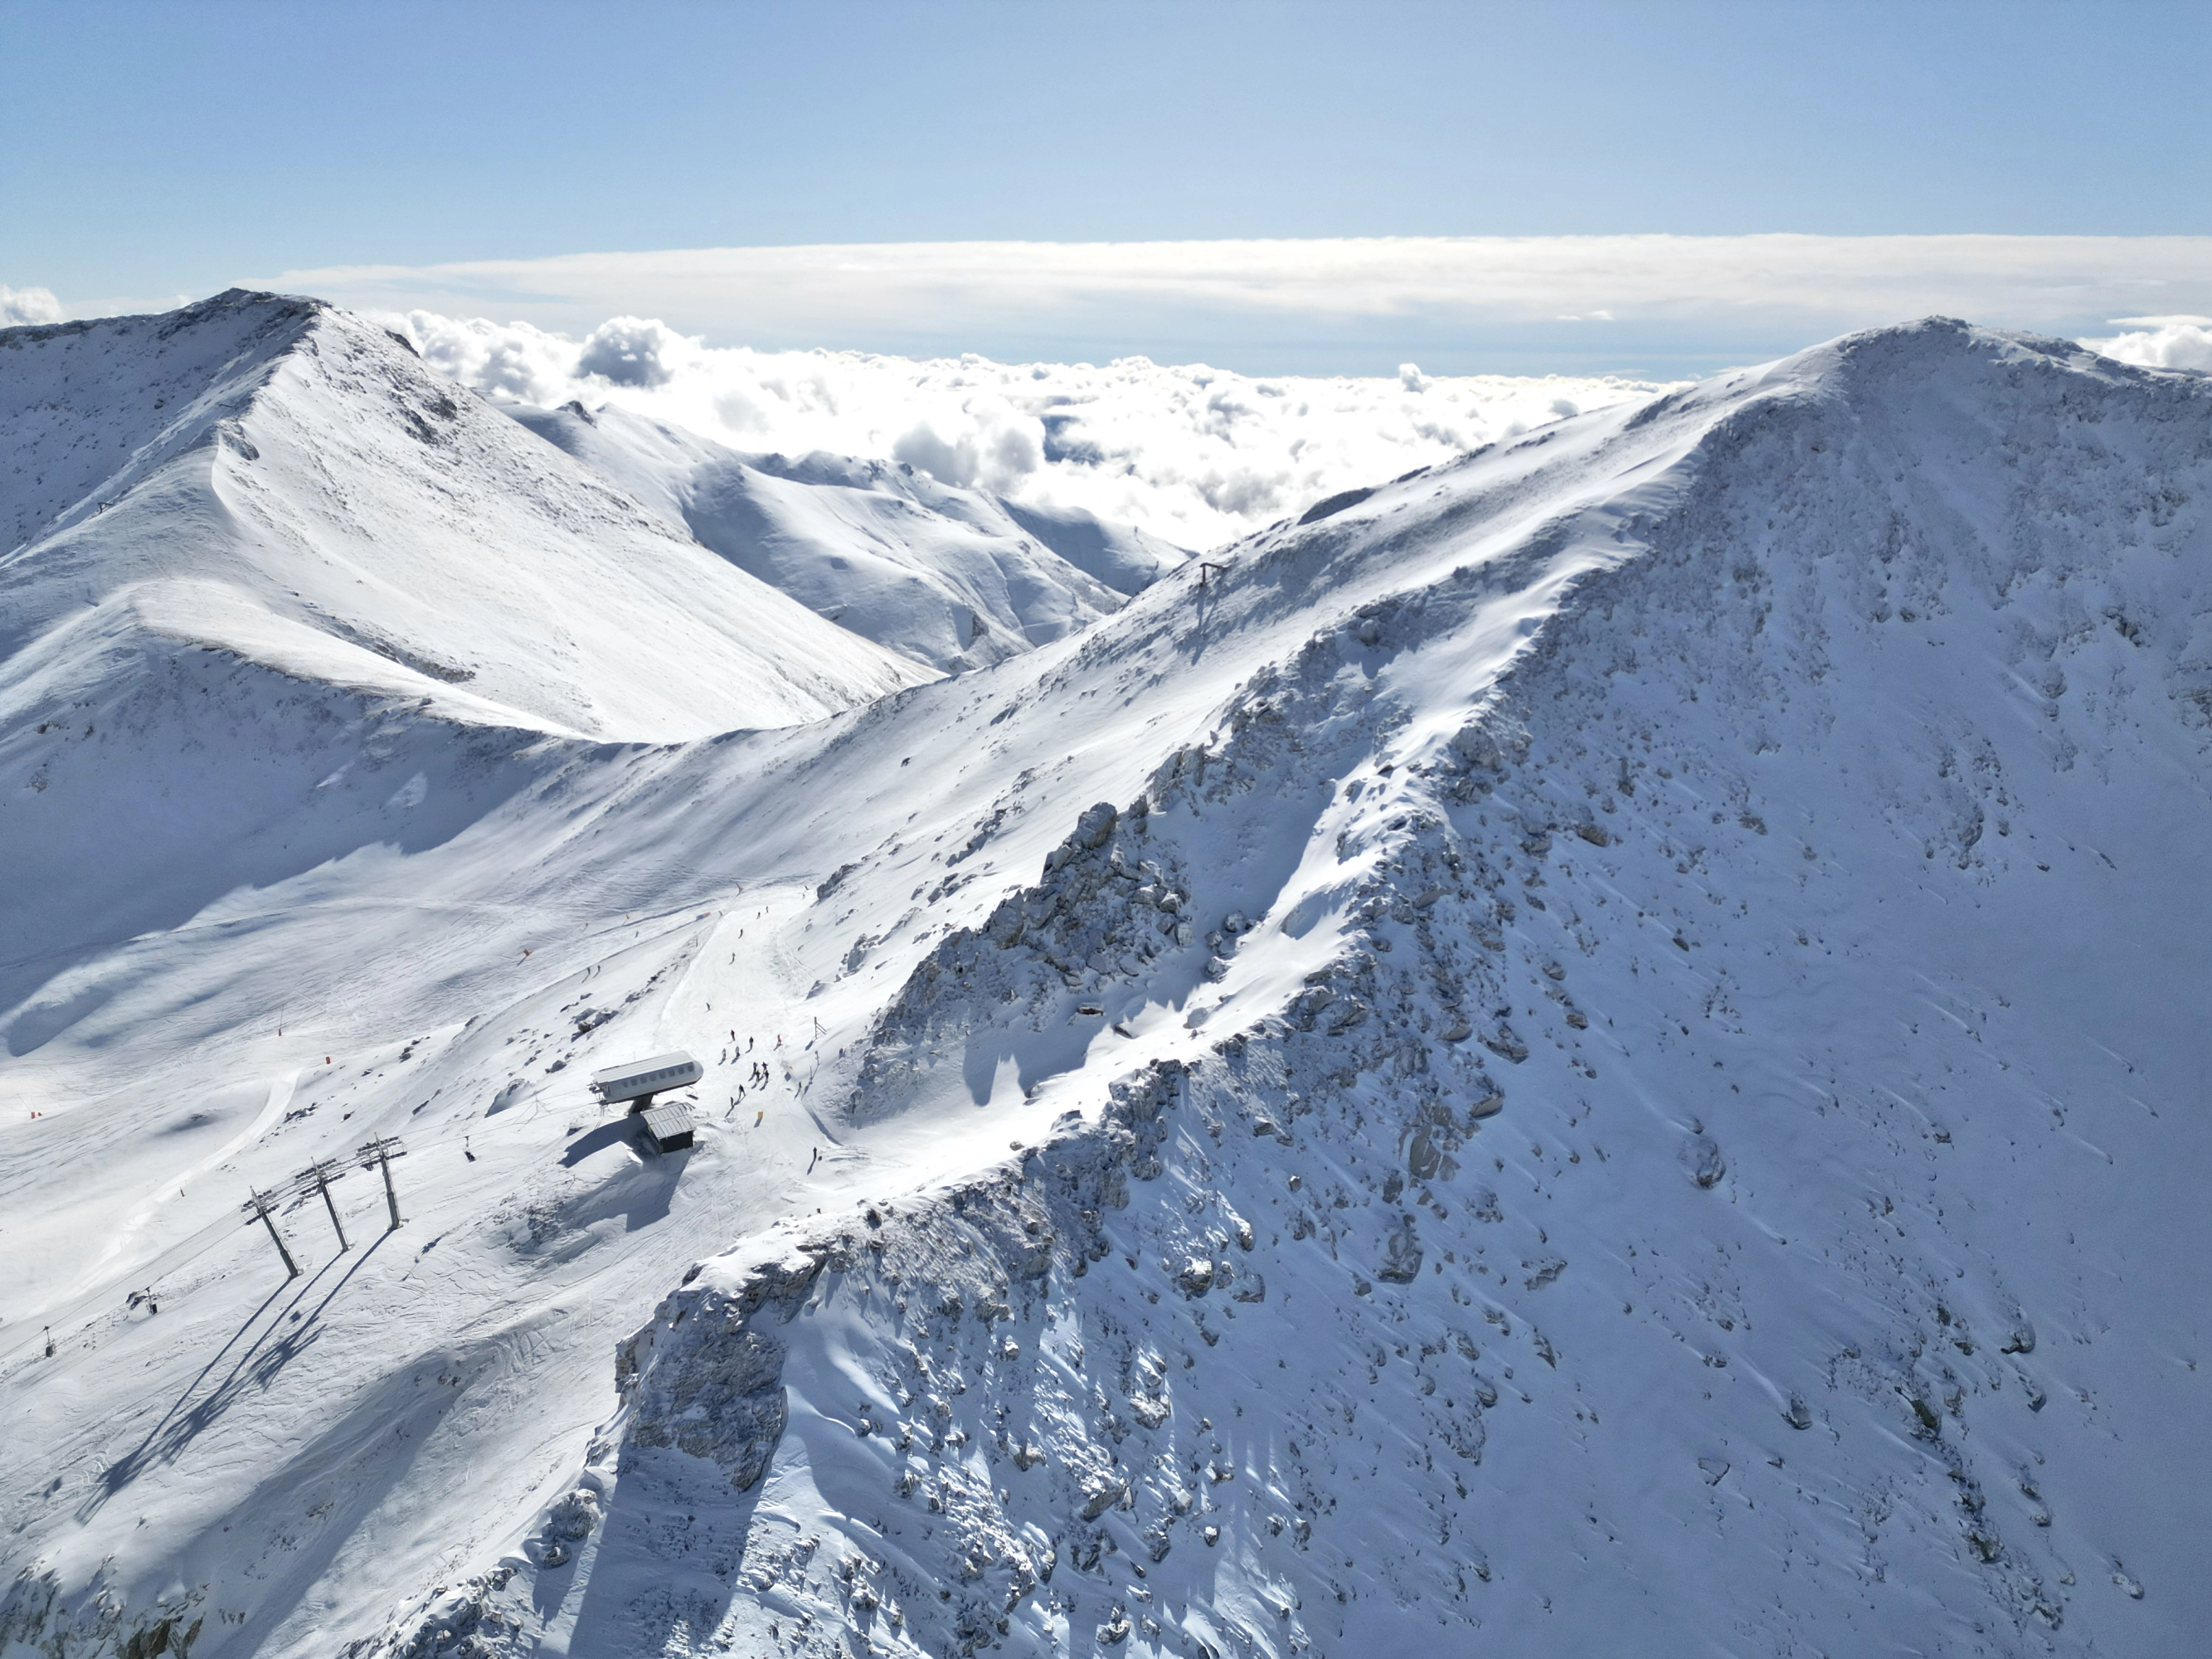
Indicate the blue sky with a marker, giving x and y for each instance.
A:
(154, 150)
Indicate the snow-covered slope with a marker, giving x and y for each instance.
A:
(1594, 1051)
(275, 479)
(949, 577)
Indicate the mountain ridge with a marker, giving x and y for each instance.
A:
(1587, 1046)
(951, 578)
(325, 502)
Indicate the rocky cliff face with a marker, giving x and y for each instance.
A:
(1303, 1343)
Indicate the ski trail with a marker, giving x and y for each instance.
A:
(147, 1208)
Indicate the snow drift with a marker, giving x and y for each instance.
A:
(1578, 1053)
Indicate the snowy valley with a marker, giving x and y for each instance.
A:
(1594, 1049)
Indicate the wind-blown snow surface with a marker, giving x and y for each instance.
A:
(1595, 1051)
(949, 577)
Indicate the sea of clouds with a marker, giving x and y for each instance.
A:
(1195, 454)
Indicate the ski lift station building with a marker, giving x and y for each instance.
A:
(669, 1128)
(638, 1082)
(640, 1079)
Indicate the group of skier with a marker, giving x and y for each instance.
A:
(757, 1075)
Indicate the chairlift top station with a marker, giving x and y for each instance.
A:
(669, 1126)
(639, 1080)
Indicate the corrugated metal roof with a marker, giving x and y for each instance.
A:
(666, 1124)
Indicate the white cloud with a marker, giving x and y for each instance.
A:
(1192, 454)
(19, 306)
(2175, 342)
(1293, 304)
(634, 351)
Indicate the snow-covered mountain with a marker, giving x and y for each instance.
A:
(283, 481)
(1593, 1050)
(951, 578)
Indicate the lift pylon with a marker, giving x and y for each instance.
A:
(317, 1178)
(262, 1208)
(378, 1155)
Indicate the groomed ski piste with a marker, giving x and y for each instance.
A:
(1597, 1049)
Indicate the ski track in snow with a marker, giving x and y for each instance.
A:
(1592, 1051)
(280, 1096)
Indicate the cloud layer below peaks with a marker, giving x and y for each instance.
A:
(1196, 454)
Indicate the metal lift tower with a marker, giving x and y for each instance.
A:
(317, 1178)
(261, 1207)
(378, 1155)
